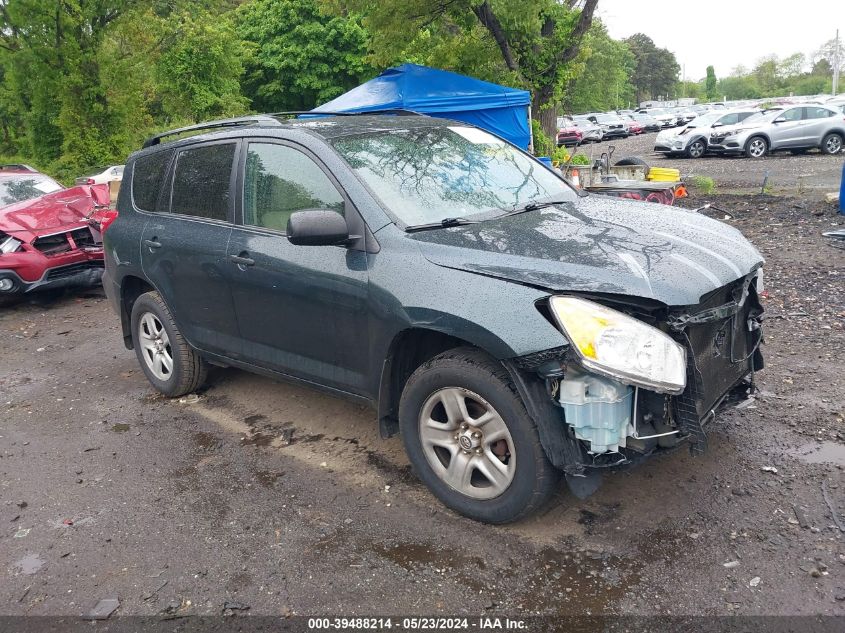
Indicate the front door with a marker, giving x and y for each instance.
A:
(788, 133)
(183, 247)
(302, 310)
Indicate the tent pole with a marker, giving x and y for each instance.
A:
(530, 131)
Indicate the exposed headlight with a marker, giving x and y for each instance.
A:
(612, 343)
(734, 132)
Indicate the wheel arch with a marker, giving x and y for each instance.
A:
(409, 349)
(131, 287)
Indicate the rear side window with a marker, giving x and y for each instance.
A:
(148, 178)
(201, 182)
(817, 113)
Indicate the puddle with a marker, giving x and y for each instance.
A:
(29, 564)
(267, 478)
(582, 581)
(821, 453)
(206, 441)
(120, 428)
(413, 556)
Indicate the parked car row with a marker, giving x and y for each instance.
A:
(598, 126)
(754, 133)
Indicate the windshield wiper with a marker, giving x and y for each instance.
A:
(532, 206)
(443, 224)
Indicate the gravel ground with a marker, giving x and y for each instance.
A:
(805, 174)
(177, 506)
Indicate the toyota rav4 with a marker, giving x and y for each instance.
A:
(510, 328)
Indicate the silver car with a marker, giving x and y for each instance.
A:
(590, 132)
(612, 126)
(795, 128)
(692, 140)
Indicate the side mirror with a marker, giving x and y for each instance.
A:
(780, 119)
(717, 124)
(317, 227)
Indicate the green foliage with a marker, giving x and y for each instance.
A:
(198, 75)
(301, 56)
(580, 159)
(704, 184)
(710, 84)
(543, 145)
(656, 71)
(604, 83)
(560, 155)
(773, 77)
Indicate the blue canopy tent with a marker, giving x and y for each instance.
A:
(498, 109)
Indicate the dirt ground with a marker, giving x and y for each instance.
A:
(178, 506)
(807, 174)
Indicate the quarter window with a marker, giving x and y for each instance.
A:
(201, 184)
(148, 179)
(279, 181)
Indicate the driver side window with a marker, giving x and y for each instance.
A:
(792, 115)
(279, 181)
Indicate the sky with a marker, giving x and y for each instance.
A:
(726, 33)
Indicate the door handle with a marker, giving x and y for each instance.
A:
(242, 260)
(153, 243)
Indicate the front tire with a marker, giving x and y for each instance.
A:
(169, 363)
(696, 149)
(832, 144)
(756, 147)
(471, 441)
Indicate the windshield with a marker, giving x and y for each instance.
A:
(706, 120)
(655, 111)
(25, 187)
(606, 118)
(426, 175)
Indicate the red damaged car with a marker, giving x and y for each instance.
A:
(50, 236)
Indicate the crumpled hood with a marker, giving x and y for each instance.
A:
(601, 244)
(49, 213)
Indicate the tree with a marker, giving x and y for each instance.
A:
(604, 83)
(656, 71)
(198, 74)
(710, 83)
(538, 41)
(301, 57)
(766, 74)
(792, 65)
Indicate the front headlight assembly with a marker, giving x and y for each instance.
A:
(614, 344)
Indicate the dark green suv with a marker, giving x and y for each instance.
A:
(510, 328)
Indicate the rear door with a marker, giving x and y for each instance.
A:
(183, 246)
(817, 123)
(302, 310)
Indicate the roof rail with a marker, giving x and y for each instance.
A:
(236, 122)
(264, 118)
(17, 167)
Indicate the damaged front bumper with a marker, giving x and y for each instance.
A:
(589, 421)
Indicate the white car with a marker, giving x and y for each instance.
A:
(102, 177)
(692, 140)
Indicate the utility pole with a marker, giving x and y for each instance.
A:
(836, 62)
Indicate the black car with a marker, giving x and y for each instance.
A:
(508, 327)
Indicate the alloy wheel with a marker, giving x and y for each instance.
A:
(757, 148)
(155, 346)
(833, 145)
(696, 150)
(467, 443)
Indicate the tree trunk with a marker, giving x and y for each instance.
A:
(545, 113)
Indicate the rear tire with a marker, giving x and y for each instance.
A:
(832, 144)
(169, 363)
(756, 147)
(496, 471)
